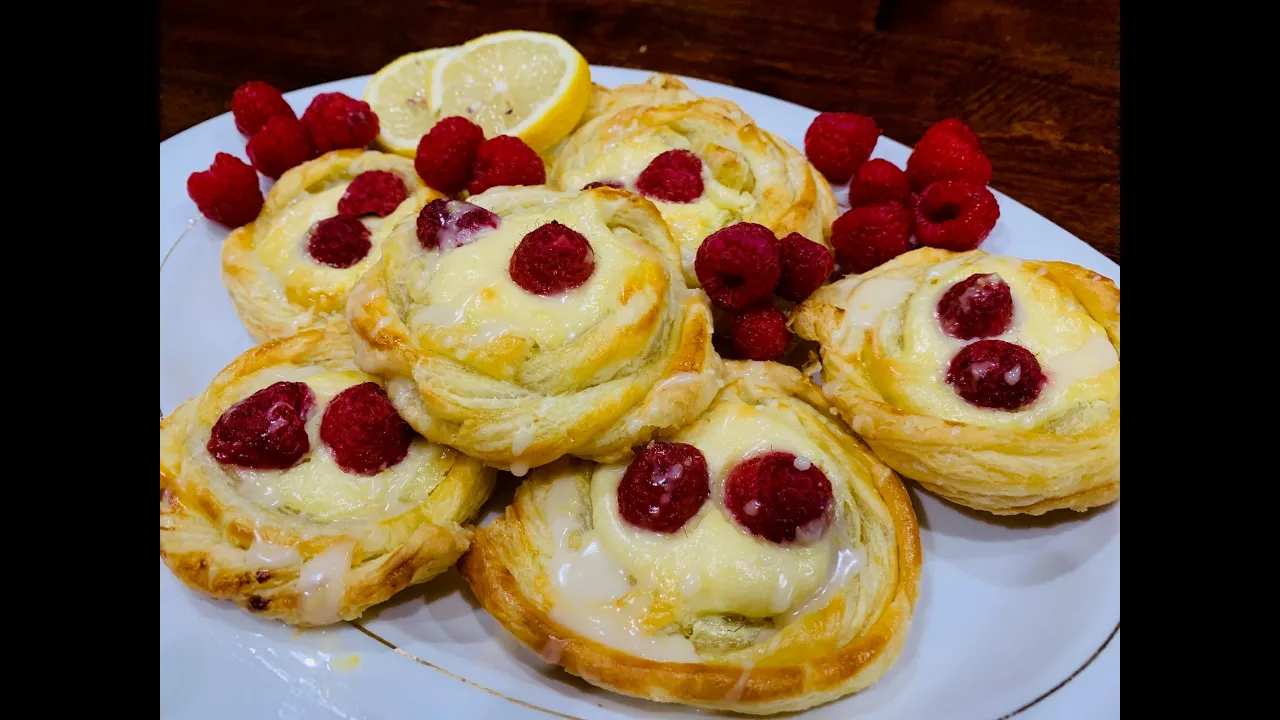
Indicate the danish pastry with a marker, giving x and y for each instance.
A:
(992, 381)
(527, 324)
(291, 269)
(702, 161)
(759, 560)
(291, 487)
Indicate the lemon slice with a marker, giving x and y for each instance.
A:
(531, 85)
(400, 94)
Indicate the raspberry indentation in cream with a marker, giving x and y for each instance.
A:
(664, 487)
(552, 259)
(979, 306)
(376, 192)
(780, 497)
(339, 242)
(675, 176)
(265, 431)
(996, 374)
(445, 224)
(739, 265)
(364, 431)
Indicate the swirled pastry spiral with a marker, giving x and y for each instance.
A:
(993, 381)
(529, 324)
(759, 560)
(703, 162)
(290, 487)
(283, 279)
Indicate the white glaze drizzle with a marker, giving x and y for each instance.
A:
(323, 582)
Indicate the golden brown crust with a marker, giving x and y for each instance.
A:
(806, 665)
(267, 307)
(790, 195)
(552, 398)
(1000, 471)
(207, 529)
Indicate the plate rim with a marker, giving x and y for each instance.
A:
(167, 252)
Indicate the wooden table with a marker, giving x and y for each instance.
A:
(1039, 80)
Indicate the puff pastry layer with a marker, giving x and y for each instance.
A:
(310, 545)
(277, 288)
(712, 616)
(885, 360)
(518, 380)
(748, 173)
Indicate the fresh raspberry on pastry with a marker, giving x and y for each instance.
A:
(552, 259)
(374, 192)
(838, 143)
(364, 431)
(282, 143)
(675, 176)
(954, 215)
(444, 223)
(996, 374)
(779, 497)
(227, 192)
(979, 306)
(447, 154)
(948, 151)
(265, 431)
(506, 160)
(339, 242)
(879, 181)
(870, 235)
(254, 103)
(805, 266)
(760, 333)
(339, 121)
(739, 265)
(664, 487)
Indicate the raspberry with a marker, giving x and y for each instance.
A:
(949, 152)
(603, 183)
(254, 103)
(364, 431)
(339, 121)
(675, 176)
(996, 374)
(954, 215)
(738, 265)
(506, 160)
(664, 487)
(879, 181)
(838, 143)
(227, 192)
(281, 144)
(869, 235)
(374, 192)
(954, 127)
(446, 224)
(552, 259)
(339, 242)
(760, 333)
(779, 497)
(805, 266)
(265, 431)
(447, 154)
(978, 306)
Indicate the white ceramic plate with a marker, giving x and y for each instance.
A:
(1015, 617)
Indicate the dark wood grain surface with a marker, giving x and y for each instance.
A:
(1039, 80)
